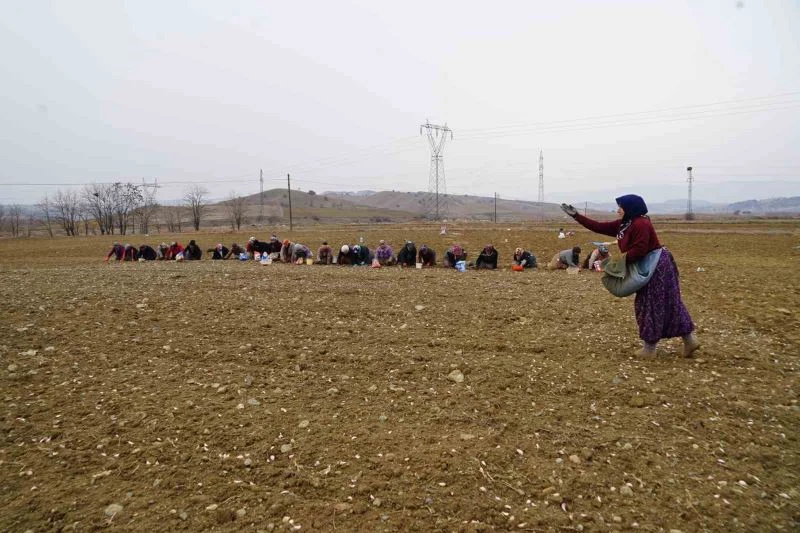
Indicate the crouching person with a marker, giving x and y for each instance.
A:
(524, 258)
(192, 252)
(325, 254)
(384, 254)
(426, 256)
(117, 251)
(346, 256)
(147, 253)
(487, 258)
(219, 252)
(407, 255)
(565, 259)
(453, 255)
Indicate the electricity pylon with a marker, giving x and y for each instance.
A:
(436, 207)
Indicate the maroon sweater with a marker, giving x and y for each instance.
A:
(638, 240)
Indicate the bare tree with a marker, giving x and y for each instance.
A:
(147, 209)
(15, 219)
(2, 216)
(195, 200)
(31, 222)
(86, 218)
(99, 205)
(173, 217)
(125, 198)
(67, 206)
(44, 208)
(235, 207)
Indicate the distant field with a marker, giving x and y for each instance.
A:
(233, 396)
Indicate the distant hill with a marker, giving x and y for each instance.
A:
(455, 206)
(396, 206)
(771, 205)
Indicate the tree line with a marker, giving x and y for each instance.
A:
(115, 209)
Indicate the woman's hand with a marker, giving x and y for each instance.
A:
(568, 209)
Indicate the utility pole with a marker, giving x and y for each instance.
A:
(495, 208)
(541, 185)
(436, 182)
(289, 188)
(689, 212)
(261, 197)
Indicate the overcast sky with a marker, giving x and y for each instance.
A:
(619, 96)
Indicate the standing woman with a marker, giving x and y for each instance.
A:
(660, 312)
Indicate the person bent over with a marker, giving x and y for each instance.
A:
(565, 259)
(130, 253)
(117, 250)
(173, 251)
(161, 251)
(219, 252)
(453, 255)
(362, 255)
(235, 251)
(426, 256)
(192, 252)
(594, 260)
(346, 256)
(254, 245)
(274, 246)
(325, 254)
(147, 253)
(487, 258)
(524, 258)
(384, 254)
(293, 252)
(407, 255)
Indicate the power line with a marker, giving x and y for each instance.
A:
(468, 131)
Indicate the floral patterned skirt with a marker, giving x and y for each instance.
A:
(660, 312)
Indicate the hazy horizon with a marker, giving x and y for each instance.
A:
(619, 96)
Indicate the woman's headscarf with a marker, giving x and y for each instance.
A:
(633, 206)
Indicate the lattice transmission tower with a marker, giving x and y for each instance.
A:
(436, 202)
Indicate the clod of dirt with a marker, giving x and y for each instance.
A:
(456, 376)
(637, 401)
(113, 509)
(625, 490)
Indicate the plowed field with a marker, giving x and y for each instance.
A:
(223, 395)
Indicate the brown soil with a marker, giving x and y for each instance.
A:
(225, 395)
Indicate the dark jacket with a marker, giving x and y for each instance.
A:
(147, 253)
(529, 258)
(362, 256)
(487, 258)
(426, 256)
(260, 247)
(192, 252)
(220, 253)
(346, 259)
(407, 255)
